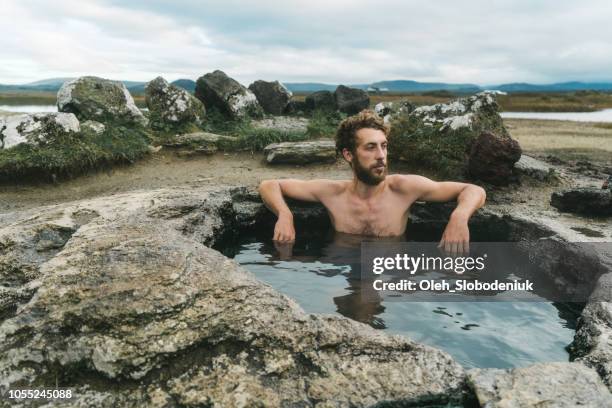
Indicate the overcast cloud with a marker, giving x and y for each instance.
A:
(482, 42)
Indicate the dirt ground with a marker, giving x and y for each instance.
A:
(166, 169)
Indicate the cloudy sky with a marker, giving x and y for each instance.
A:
(333, 41)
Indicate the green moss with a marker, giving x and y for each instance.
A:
(69, 155)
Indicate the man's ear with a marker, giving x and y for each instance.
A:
(348, 156)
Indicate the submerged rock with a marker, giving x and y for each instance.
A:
(586, 201)
(99, 99)
(351, 100)
(321, 100)
(319, 151)
(492, 158)
(37, 129)
(551, 384)
(217, 90)
(272, 96)
(440, 136)
(134, 310)
(171, 106)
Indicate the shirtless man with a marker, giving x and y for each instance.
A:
(372, 203)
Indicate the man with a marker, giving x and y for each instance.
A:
(372, 203)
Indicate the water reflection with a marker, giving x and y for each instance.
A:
(322, 273)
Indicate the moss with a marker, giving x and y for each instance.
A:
(69, 155)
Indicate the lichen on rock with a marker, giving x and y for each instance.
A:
(171, 107)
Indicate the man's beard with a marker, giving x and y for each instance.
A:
(367, 175)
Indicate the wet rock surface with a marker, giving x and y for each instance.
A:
(552, 385)
(172, 106)
(218, 91)
(319, 151)
(133, 309)
(99, 99)
(351, 100)
(37, 129)
(586, 201)
(272, 96)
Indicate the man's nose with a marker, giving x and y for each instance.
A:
(380, 152)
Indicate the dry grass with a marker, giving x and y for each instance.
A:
(569, 140)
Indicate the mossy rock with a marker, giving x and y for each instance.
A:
(99, 99)
(172, 108)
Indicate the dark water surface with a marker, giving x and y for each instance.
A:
(319, 274)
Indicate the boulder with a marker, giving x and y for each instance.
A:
(440, 136)
(540, 385)
(217, 90)
(386, 109)
(534, 168)
(321, 100)
(272, 96)
(296, 107)
(130, 308)
(587, 201)
(202, 142)
(351, 100)
(319, 151)
(492, 158)
(93, 127)
(99, 99)
(171, 106)
(282, 123)
(37, 129)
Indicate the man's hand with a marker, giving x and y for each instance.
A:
(456, 237)
(284, 231)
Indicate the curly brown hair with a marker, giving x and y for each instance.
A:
(346, 134)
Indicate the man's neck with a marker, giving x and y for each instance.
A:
(366, 191)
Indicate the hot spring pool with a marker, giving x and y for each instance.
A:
(477, 334)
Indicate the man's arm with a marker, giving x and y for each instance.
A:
(273, 192)
(469, 197)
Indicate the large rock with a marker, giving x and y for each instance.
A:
(124, 305)
(440, 136)
(171, 106)
(386, 109)
(319, 151)
(321, 100)
(541, 385)
(534, 168)
(492, 158)
(586, 201)
(217, 90)
(99, 99)
(351, 100)
(37, 129)
(272, 96)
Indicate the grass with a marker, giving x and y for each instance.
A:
(68, 156)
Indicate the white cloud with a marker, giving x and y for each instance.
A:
(329, 41)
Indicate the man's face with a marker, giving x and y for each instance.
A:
(370, 159)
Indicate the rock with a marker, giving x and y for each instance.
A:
(37, 129)
(586, 201)
(171, 106)
(93, 126)
(282, 123)
(551, 384)
(534, 168)
(351, 100)
(386, 109)
(440, 136)
(99, 99)
(202, 141)
(217, 90)
(321, 100)
(320, 151)
(296, 107)
(133, 310)
(492, 158)
(272, 96)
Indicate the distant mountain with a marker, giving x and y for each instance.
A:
(137, 87)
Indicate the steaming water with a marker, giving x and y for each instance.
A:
(477, 334)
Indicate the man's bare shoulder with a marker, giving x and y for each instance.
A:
(408, 183)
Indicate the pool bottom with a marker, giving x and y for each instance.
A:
(476, 334)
